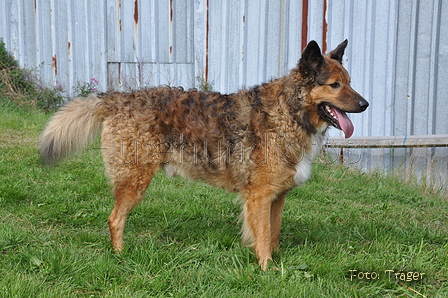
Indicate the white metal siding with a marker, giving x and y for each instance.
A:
(397, 57)
(63, 40)
(397, 54)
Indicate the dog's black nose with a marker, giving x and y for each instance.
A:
(363, 104)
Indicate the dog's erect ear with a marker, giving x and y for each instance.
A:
(337, 53)
(312, 56)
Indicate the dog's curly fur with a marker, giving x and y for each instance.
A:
(259, 142)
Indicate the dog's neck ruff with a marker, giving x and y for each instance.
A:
(303, 168)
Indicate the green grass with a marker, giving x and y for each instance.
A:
(183, 239)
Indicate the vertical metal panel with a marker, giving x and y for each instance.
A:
(199, 39)
(219, 55)
(402, 94)
(46, 40)
(293, 36)
(219, 36)
(315, 21)
(164, 31)
(254, 49)
(440, 73)
(421, 80)
(273, 33)
(80, 40)
(62, 59)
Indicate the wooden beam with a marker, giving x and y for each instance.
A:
(389, 141)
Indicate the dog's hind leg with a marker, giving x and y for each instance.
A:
(128, 192)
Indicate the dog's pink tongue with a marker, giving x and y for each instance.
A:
(344, 122)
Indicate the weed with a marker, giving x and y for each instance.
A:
(7, 60)
(204, 85)
(22, 86)
(13, 79)
(83, 89)
(50, 99)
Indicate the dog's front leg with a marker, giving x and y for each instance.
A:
(257, 224)
(276, 220)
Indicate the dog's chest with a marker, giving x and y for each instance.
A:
(303, 168)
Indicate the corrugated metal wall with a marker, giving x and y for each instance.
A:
(151, 43)
(64, 40)
(397, 54)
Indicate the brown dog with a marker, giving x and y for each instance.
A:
(258, 142)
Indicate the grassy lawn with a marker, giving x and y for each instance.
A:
(345, 234)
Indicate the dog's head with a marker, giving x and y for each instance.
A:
(331, 96)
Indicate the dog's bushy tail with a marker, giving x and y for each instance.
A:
(71, 129)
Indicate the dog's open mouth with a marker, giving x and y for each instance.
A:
(337, 118)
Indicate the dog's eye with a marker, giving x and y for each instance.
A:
(335, 85)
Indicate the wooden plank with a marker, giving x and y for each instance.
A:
(389, 141)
